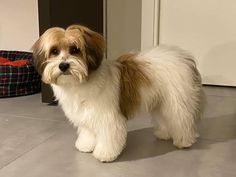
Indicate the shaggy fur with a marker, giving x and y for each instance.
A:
(133, 77)
(99, 96)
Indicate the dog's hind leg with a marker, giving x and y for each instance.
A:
(161, 129)
(180, 117)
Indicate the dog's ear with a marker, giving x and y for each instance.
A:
(94, 46)
(39, 57)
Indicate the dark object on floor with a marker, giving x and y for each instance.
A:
(54, 103)
(18, 79)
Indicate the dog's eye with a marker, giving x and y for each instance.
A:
(54, 51)
(74, 50)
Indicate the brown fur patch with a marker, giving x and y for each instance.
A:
(94, 44)
(91, 44)
(40, 52)
(38, 57)
(133, 77)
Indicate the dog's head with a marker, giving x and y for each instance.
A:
(64, 54)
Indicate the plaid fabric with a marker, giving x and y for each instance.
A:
(17, 81)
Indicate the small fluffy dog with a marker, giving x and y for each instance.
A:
(100, 96)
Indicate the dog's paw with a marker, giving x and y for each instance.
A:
(184, 143)
(84, 146)
(105, 154)
(162, 134)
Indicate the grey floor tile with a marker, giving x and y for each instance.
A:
(30, 106)
(45, 144)
(220, 91)
(219, 128)
(142, 120)
(220, 106)
(219, 119)
(19, 135)
(144, 156)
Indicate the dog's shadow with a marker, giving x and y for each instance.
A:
(142, 144)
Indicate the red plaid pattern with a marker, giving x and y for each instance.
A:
(17, 81)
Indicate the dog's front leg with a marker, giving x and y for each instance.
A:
(86, 140)
(111, 139)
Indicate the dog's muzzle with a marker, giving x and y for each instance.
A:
(63, 66)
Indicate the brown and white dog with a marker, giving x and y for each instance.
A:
(100, 96)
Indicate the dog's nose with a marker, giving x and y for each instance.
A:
(63, 66)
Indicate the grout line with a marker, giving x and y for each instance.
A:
(31, 149)
(208, 139)
(32, 118)
(231, 96)
(26, 152)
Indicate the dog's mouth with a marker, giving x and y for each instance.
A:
(68, 76)
(76, 73)
(66, 73)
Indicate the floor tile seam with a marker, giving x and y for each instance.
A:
(27, 151)
(221, 95)
(31, 117)
(214, 140)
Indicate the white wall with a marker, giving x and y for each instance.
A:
(19, 27)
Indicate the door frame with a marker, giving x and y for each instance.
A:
(150, 23)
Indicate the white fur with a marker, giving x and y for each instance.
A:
(178, 95)
(93, 106)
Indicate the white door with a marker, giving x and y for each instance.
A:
(207, 28)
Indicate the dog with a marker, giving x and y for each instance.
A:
(99, 96)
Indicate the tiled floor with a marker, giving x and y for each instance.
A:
(37, 141)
